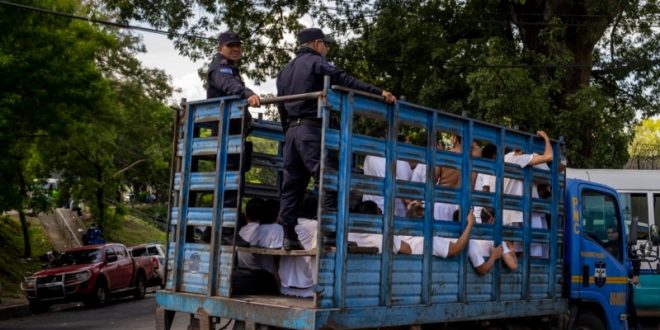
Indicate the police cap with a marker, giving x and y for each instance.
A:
(229, 37)
(311, 34)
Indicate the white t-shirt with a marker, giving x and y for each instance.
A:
(297, 273)
(373, 240)
(375, 166)
(268, 236)
(247, 260)
(479, 251)
(539, 249)
(515, 187)
(419, 173)
(482, 181)
(440, 245)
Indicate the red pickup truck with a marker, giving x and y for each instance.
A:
(90, 274)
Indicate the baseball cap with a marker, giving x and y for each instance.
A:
(311, 34)
(229, 38)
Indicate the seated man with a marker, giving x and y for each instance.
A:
(297, 273)
(371, 240)
(253, 210)
(269, 234)
(442, 247)
(483, 254)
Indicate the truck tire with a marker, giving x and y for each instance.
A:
(100, 295)
(140, 287)
(588, 321)
(38, 307)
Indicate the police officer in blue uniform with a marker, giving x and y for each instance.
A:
(302, 147)
(224, 78)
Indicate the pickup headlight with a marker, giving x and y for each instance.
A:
(77, 277)
(28, 283)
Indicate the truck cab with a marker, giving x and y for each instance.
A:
(597, 255)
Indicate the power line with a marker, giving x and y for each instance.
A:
(189, 36)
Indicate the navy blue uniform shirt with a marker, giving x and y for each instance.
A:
(224, 79)
(304, 74)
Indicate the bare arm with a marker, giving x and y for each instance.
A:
(458, 246)
(495, 253)
(509, 258)
(547, 153)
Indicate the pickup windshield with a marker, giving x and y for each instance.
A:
(77, 258)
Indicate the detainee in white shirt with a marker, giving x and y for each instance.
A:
(268, 235)
(515, 187)
(442, 247)
(375, 166)
(253, 210)
(297, 273)
(483, 254)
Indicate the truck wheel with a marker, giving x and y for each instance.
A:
(588, 321)
(140, 287)
(38, 307)
(99, 296)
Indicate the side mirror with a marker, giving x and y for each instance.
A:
(655, 235)
(632, 235)
(111, 258)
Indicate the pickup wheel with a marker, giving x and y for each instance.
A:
(38, 307)
(588, 321)
(140, 287)
(99, 296)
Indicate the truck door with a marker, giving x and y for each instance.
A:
(125, 265)
(603, 273)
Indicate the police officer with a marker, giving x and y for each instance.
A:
(224, 79)
(302, 148)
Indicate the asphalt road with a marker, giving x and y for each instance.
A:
(127, 313)
(119, 314)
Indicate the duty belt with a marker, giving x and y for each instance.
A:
(316, 122)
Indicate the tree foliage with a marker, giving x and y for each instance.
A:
(74, 100)
(579, 69)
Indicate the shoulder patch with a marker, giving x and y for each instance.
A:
(226, 70)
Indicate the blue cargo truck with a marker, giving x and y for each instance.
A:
(580, 283)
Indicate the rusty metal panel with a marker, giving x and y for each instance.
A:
(224, 283)
(444, 280)
(362, 280)
(406, 279)
(196, 268)
(325, 284)
(479, 287)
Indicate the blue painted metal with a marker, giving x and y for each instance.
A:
(362, 290)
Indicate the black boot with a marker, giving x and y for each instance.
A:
(291, 241)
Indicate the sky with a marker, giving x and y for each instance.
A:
(183, 71)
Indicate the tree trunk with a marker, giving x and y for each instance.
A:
(100, 195)
(27, 248)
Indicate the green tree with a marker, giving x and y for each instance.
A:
(553, 65)
(48, 76)
(645, 148)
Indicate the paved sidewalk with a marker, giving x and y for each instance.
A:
(13, 307)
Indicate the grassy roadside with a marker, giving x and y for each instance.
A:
(127, 230)
(12, 265)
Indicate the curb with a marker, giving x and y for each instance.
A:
(14, 311)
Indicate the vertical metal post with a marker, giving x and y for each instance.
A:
(388, 214)
(466, 193)
(527, 212)
(429, 201)
(184, 189)
(554, 217)
(173, 170)
(343, 195)
(498, 207)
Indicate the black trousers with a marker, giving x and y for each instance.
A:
(302, 161)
